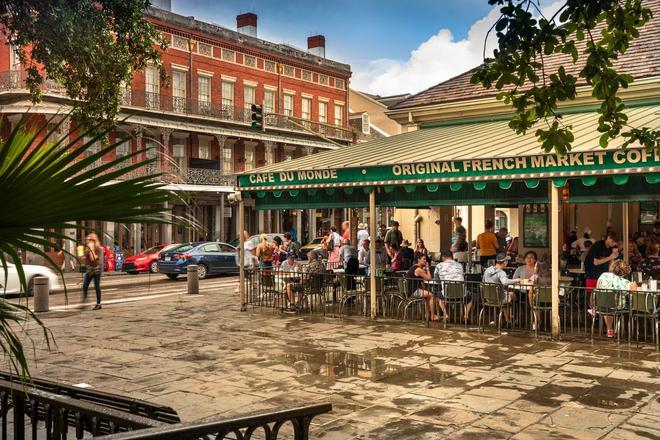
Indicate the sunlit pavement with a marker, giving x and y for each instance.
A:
(204, 358)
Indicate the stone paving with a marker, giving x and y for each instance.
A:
(204, 358)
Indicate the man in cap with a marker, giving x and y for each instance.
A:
(497, 275)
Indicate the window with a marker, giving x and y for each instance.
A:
(339, 115)
(288, 104)
(123, 149)
(204, 92)
(228, 55)
(249, 93)
(179, 154)
(178, 91)
(270, 155)
(323, 112)
(249, 158)
(204, 149)
(152, 153)
(14, 58)
(366, 129)
(228, 94)
(227, 161)
(211, 248)
(306, 108)
(269, 101)
(152, 87)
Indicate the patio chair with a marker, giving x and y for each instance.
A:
(643, 305)
(454, 293)
(493, 296)
(349, 292)
(609, 303)
(393, 295)
(409, 301)
(366, 293)
(315, 287)
(542, 303)
(269, 290)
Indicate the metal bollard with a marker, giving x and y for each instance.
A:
(41, 294)
(193, 280)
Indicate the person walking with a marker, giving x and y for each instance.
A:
(393, 237)
(93, 259)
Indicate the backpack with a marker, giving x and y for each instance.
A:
(330, 242)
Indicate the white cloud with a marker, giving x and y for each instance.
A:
(437, 59)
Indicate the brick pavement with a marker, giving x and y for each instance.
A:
(203, 357)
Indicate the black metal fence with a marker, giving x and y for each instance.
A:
(469, 304)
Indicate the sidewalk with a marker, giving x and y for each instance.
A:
(74, 280)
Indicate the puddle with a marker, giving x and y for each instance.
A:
(606, 397)
(339, 364)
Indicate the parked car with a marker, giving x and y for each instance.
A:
(212, 258)
(12, 285)
(314, 245)
(146, 261)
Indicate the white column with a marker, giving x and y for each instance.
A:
(216, 224)
(311, 214)
(299, 225)
(109, 233)
(168, 226)
(626, 227)
(137, 235)
(241, 252)
(260, 216)
(555, 240)
(223, 229)
(372, 252)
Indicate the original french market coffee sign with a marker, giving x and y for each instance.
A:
(521, 167)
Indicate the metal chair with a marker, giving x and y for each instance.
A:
(269, 289)
(492, 297)
(643, 305)
(348, 292)
(609, 303)
(409, 301)
(314, 287)
(542, 302)
(454, 293)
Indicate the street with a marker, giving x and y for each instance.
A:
(205, 358)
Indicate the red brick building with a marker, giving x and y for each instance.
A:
(200, 124)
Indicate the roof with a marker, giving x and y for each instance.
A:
(641, 60)
(465, 141)
(236, 37)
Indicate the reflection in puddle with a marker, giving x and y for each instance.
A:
(338, 364)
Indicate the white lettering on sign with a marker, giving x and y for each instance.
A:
(262, 178)
(317, 174)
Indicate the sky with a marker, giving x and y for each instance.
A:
(393, 46)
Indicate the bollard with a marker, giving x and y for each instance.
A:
(41, 294)
(193, 280)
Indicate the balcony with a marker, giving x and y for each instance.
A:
(185, 175)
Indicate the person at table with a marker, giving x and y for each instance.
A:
(420, 249)
(312, 269)
(528, 273)
(450, 270)
(396, 262)
(598, 260)
(650, 266)
(349, 257)
(614, 280)
(408, 255)
(381, 254)
(364, 253)
(417, 278)
(362, 234)
(393, 237)
(290, 264)
(488, 244)
(497, 275)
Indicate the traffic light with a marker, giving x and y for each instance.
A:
(257, 117)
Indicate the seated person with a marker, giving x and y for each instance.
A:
(313, 269)
(450, 270)
(416, 287)
(650, 266)
(349, 257)
(528, 273)
(408, 255)
(614, 280)
(496, 275)
(290, 264)
(364, 254)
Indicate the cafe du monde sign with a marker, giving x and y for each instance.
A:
(594, 162)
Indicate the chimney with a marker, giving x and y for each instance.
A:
(316, 45)
(247, 24)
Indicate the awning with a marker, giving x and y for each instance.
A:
(480, 152)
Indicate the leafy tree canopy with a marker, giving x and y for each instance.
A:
(91, 47)
(603, 31)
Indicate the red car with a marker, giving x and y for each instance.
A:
(146, 261)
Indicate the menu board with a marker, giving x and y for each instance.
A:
(535, 226)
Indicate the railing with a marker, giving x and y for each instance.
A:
(291, 423)
(469, 304)
(29, 411)
(15, 81)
